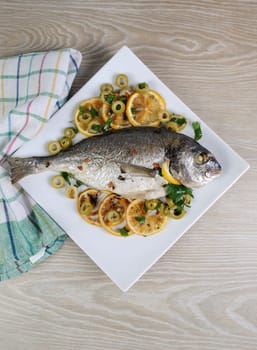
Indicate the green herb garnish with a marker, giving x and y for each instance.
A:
(177, 194)
(124, 231)
(142, 85)
(78, 183)
(110, 98)
(93, 112)
(179, 121)
(123, 99)
(96, 127)
(67, 177)
(133, 110)
(197, 130)
(140, 219)
(107, 125)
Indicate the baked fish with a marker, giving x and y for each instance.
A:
(127, 162)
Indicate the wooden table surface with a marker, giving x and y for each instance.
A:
(202, 294)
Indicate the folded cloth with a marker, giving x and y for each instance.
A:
(32, 88)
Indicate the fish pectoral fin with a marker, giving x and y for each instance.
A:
(136, 170)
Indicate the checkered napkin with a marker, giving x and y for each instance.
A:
(32, 88)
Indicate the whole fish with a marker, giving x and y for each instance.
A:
(126, 162)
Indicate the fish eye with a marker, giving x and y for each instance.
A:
(201, 158)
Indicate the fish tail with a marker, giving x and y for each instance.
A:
(21, 167)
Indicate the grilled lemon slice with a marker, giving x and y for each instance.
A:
(112, 215)
(88, 203)
(142, 221)
(88, 117)
(143, 108)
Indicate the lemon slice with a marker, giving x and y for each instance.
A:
(167, 175)
(88, 117)
(144, 222)
(88, 203)
(143, 108)
(112, 215)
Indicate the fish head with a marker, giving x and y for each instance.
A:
(193, 165)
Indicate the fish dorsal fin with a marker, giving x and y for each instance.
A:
(136, 170)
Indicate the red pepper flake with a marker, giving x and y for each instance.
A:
(132, 151)
(80, 167)
(86, 160)
(111, 186)
(156, 165)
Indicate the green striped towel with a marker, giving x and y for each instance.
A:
(32, 88)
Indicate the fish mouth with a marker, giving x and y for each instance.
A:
(214, 172)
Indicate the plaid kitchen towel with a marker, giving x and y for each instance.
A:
(32, 88)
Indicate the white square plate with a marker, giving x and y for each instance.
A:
(125, 260)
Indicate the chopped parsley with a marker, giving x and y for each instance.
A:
(123, 99)
(96, 127)
(67, 177)
(179, 121)
(93, 112)
(197, 130)
(78, 183)
(110, 98)
(124, 231)
(142, 85)
(107, 125)
(177, 194)
(140, 219)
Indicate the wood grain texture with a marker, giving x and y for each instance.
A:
(202, 295)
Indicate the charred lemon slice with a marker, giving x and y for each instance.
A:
(142, 221)
(166, 173)
(88, 119)
(112, 215)
(88, 204)
(143, 108)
